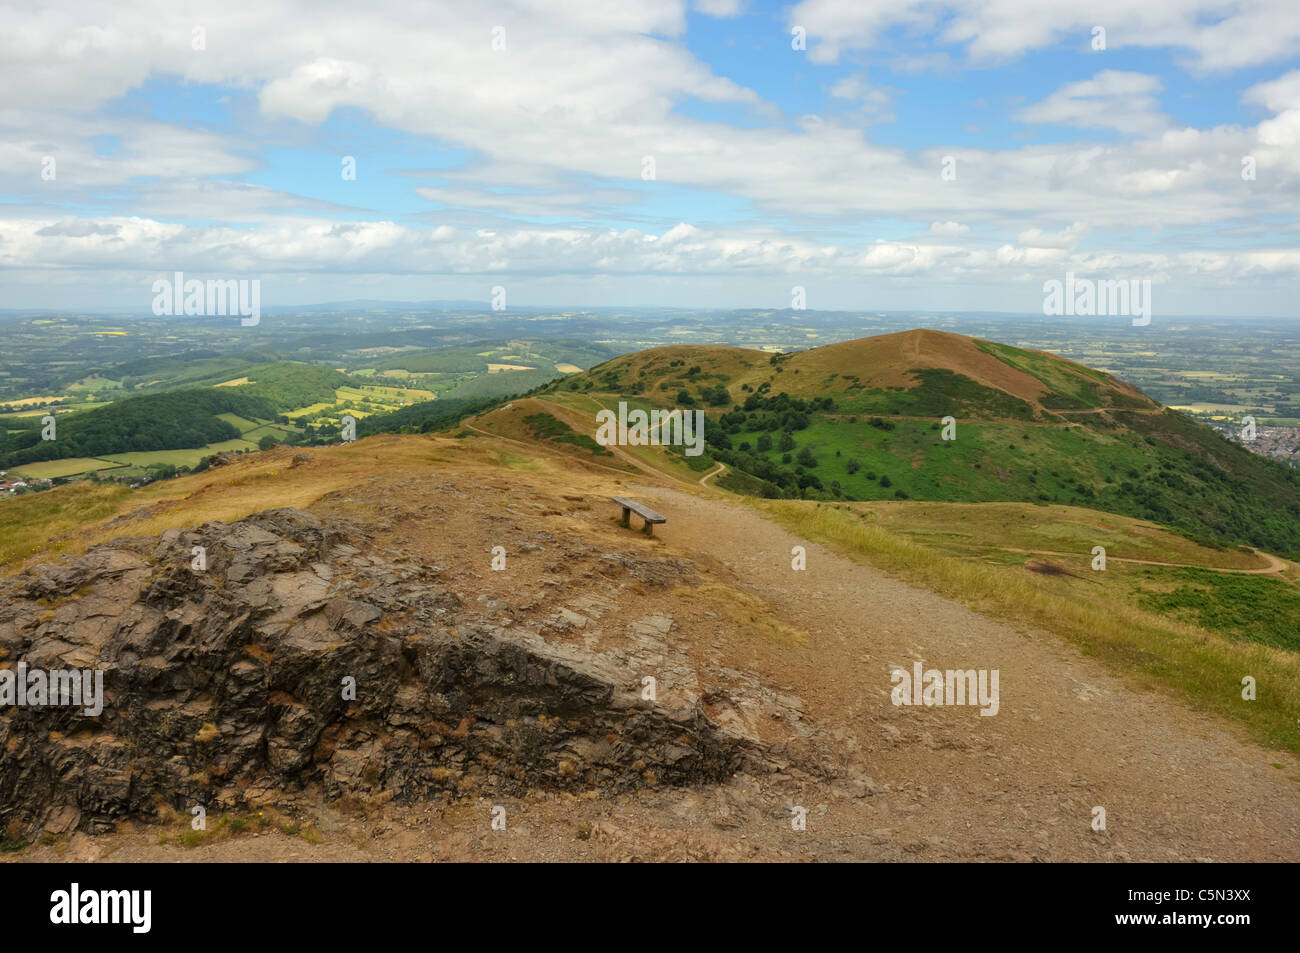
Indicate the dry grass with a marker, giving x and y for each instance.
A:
(748, 612)
(979, 528)
(40, 522)
(73, 518)
(177, 828)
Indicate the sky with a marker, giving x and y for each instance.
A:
(877, 154)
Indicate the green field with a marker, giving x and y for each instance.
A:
(49, 469)
(242, 424)
(179, 458)
(281, 434)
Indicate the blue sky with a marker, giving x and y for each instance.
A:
(507, 145)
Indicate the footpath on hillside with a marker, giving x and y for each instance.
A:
(1068, 735)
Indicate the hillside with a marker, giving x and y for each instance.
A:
(181, 409)
(522, 686)
(173, 421)
(864, 420)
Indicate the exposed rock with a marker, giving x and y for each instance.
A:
(227, 686)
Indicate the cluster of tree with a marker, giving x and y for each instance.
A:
(290, 385)
(29, 406)
(782, 412)
(177, 420)
(426, 416)
(715, 396)
(1196, 497)
(939, 392)
(766, 477)
(549, 427)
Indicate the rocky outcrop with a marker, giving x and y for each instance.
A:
(246, 661)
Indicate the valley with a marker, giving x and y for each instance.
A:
(913, 498)
(793, 664)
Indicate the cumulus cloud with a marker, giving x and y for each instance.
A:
(1112, 99)
(1068, 238)
(718, 8)
(1218, 36)
(557, 123)
(309, 246)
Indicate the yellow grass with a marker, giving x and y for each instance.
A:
(749, 612)
(979, 528)
(26, 401)
(72, 518)
(38, 522)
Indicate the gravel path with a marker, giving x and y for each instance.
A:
(1175, 784)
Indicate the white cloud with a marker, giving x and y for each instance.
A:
(1112, 99)
(1069, 238)
(1218, 36)
(1277, 95)
(719, 8)
(557, 125)
(148, 247)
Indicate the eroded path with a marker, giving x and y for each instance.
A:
(1175, 784)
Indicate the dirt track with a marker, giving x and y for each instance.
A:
(1068, 737)
(1275, 565)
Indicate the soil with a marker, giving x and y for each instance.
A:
(920, 783)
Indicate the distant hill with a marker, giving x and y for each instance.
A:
(863, 420)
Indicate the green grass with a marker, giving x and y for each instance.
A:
(242, 424)
(986, 461)
(1259, 609)
(1069, 390)
(280, 433)
(549, 427)
(1102, 466)
(179, 458)
(72, 466)
(937, 393)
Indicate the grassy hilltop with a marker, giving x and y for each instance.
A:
(862, 420)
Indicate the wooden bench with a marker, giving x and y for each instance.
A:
(641, 510)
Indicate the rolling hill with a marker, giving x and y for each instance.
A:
(865, 420)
